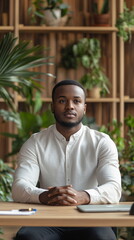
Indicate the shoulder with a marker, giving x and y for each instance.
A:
(98, 138)
(38, 138)
(43, 133)
(96, 134)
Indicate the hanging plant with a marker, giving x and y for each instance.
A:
(125, 22)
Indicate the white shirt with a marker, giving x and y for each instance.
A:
(88, 161)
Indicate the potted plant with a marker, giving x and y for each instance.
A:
(87, 53)
(101, 12)
(95, 82)
(124, 23)
(16, 62)
(51, 12)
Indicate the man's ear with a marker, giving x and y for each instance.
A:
(85, 108)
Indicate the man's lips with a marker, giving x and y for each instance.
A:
(69, 114)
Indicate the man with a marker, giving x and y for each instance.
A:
(73, 164)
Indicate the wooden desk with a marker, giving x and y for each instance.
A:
(63, 216)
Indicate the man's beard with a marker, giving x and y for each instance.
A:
(68, 124)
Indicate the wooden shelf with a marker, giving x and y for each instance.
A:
(129, 100)
(105, 30)
(20, 99)
(88, 100)
(112, 100)
(6, 28)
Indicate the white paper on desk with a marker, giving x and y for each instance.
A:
(16, 212)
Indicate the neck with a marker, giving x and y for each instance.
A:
(67, 132)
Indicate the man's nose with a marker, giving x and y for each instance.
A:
(69, 105)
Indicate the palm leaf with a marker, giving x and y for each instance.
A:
(17, 62)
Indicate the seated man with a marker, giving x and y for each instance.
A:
(73, 164)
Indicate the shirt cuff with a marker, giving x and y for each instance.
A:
(35, 195)
(94, 196)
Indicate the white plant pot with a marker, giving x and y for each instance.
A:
(51, 20)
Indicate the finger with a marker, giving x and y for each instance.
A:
(61, 198)
(51, 187)
(61, 190)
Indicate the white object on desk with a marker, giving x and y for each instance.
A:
(16, 212)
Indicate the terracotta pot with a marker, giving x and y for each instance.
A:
(94, 92)
(101, 19)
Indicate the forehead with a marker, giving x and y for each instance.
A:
(69, 91)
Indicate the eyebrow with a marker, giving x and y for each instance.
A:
(73, 97)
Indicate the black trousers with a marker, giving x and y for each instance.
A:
(65, 233)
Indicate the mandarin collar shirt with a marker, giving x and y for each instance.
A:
(88, 161)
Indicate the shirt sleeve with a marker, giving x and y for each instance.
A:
(27, 174)
(108, 174)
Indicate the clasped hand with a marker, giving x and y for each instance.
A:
(64, 196)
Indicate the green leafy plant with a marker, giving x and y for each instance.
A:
(125, 149)
(6, 180)
(127, 166)
(126, 233)
(113, 129)
(87, 53)
(27, 123)
(17, 61)
(124, 23)
(129, 122)
(127, 173)
(90, 122)
(39, 6)
(16, 74)
(1, 233)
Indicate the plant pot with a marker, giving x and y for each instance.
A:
(51, 20)
(101, 19)
(94, 92)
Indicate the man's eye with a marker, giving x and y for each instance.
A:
(76, 101)
(62, 101)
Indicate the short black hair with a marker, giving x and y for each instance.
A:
(67, 82)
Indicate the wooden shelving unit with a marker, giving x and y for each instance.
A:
(44, 29)
(121, 98)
